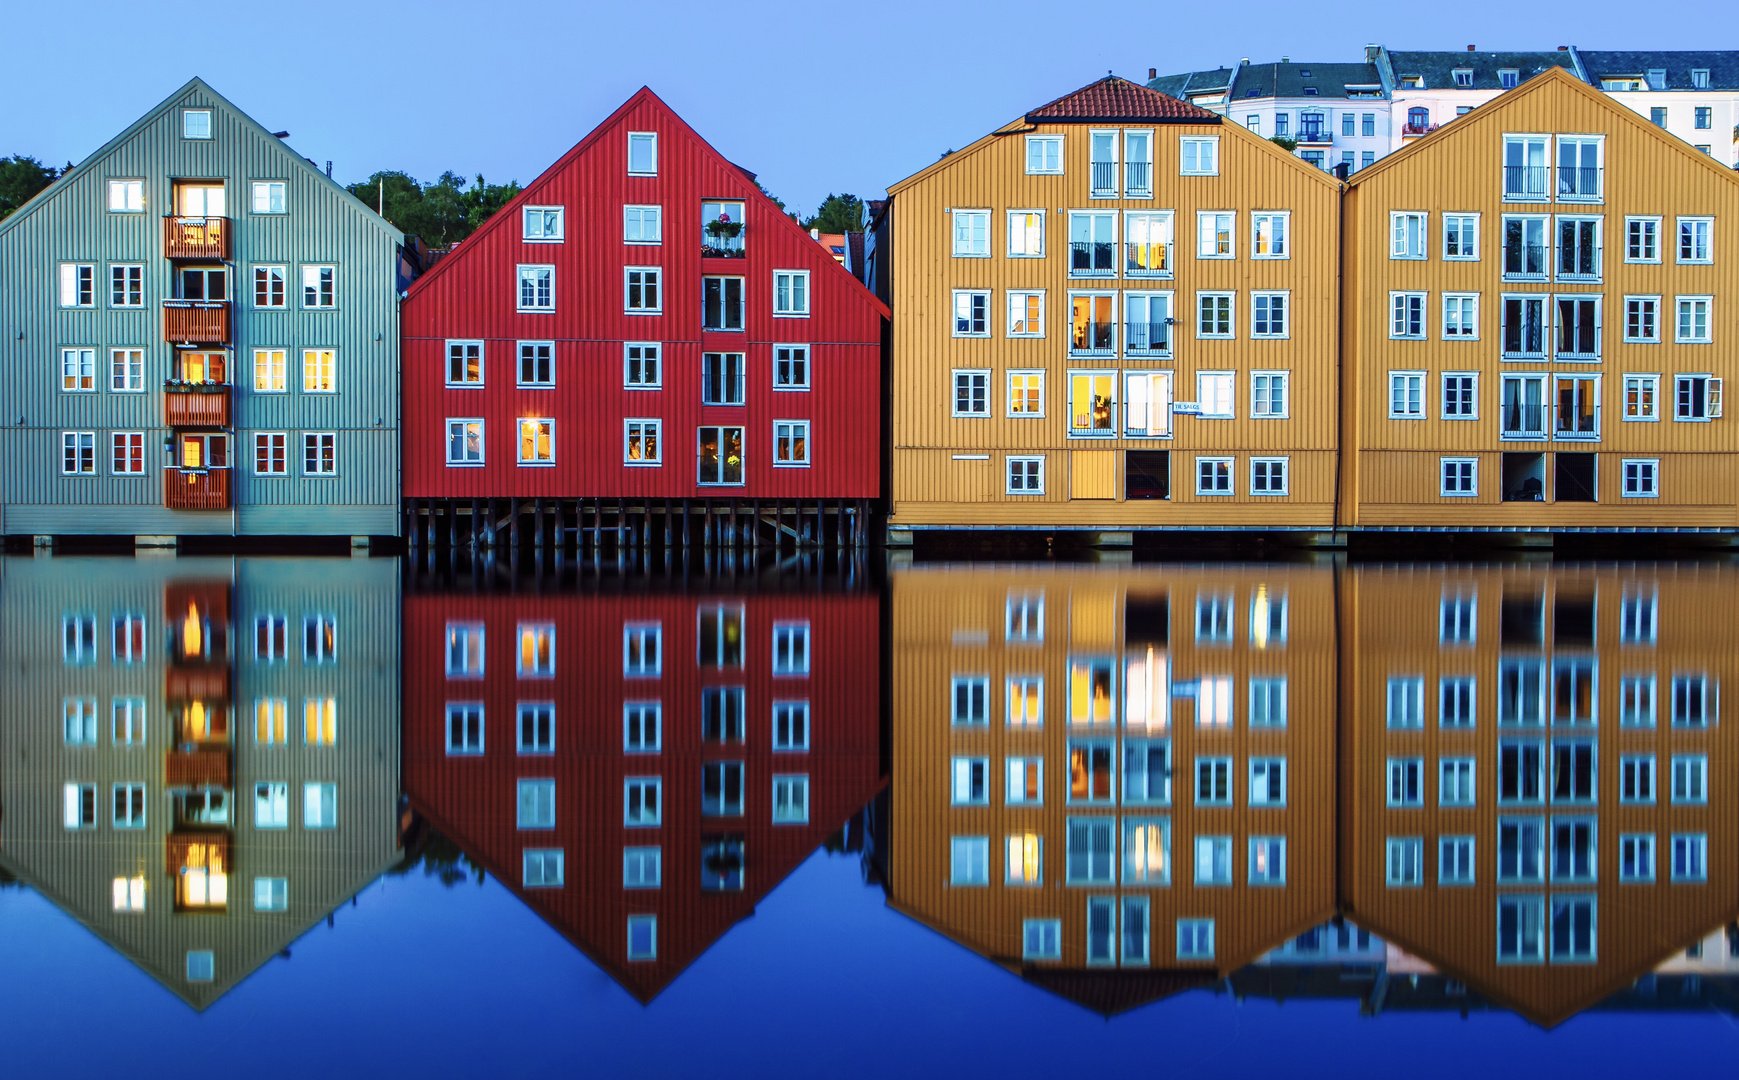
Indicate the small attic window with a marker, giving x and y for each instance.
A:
(1254, 91)
(1464, 77)
(1413, 82)
(1304, 73)
(1657, 79)
(1700, 79)
(1310, 91)
(196, 124)
(1509, 77)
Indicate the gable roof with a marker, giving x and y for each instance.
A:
(510, 211)
(1438, 68)
(296, 160)
(1723, 67)
(1552, 77)
(1290, 80)
(1117, 100)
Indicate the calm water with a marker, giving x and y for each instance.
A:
(327, 814)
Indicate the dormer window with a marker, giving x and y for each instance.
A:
(1508, 78)
(1413, 82)
(1657, 79)
(1464, 77)
(1621, 84)
(1310, 91)
(1700, 79)
(196, 124)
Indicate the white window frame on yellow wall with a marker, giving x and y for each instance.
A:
(1408, 380)
(963, 300)
(1216, 395)
(1458, 477)
(1271, 234)
(1702, 335)
(1642, 320)
(1400, 313)
(1092, 380)
(964, 249)
(1460, 237)
(1271, 314)
(1049, 154)
(1198, 155)
(1147, 396)
(1263, 384)
(1270, 476)
(1224, 303)
(1139, 245)
(1220, 470)
(1409, 234)
(1216, 234)
(1460, 316)
(1026, 387)
(1026, 234)
(1026, 313)
(1642, 239)
(1641, 397)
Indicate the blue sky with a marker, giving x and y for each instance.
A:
(814, 98)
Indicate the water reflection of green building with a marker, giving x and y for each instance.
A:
(199, 758)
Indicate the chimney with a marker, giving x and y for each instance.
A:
(328, 170)
(814, 234)
(1244, 61)
(1372, 52)
(1152, 74)
(1286, 59)
(1470, 48)
(1563, 48)
(1341, 170)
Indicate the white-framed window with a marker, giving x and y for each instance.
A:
(127, 721)
(79, 721)
(78, 285)
(1641, 397)
(1198, 155)
(1406, 702)
(1642, 319)
(1407, 315)
(1460, 236)
(1694, 701)
(1138, 164)
(1213, 860)
(1041, 939)
(1406, 395)
(1092, 243)
(464, 441)
(544, 868)
(971, 700)
(1147, 399)
(271, 894)
(1642, 239)
(1195, 939)
(543, 224)
(1268, 781)
(642, 937)
(1026, 234)
(1696, 240)
(536, 727)
(722, 303)
(78, 638)
(1044, 155)
(1268, 314)
(1527, 165)
(642, 291)
(465, 363)
(971, 392)
(78, 371)
(1460, 316)
(971, 313)
(1267, 860)
(271, 291)
(1403, 862)
(1407, 234)
(1521, 929)
(1026, 394)
(537, 288)
(1579, 178)
(1455, 860)
(1690, 779)
(464, 650)
(642, 727)
(271, 371)
(1269, 476)
(272, 806)
(536, 804)
(791, 294)
(790, 726)
(1214, 476)
(1527, 247)
(319, 371)
(1636, 782)
(1214, 314)
(537, 363)
(642, 867)
(643, 153)
(1026, 475)
(464, 727)
(790, 367)
(319, 287)
(1214, 234)
(1524, 327)
(642, 650)
(1690, 857)
(268, 196)
(1696, 397)
(537, 650)
(1578, 336)
(642, 224)
(790, 444)
(1214, 394)
(791, 799)
(1636, 858)
(1026, 701)
(319, 805)
(1270, 234)
(1457, 619)
(1693, 326)
(969, 860)
(1455, 785)
(971, 234)
(1579, 244)
(1455, 701)
(971, 781)
(1093, 403)
(537, 441)
(642, 442)
(1147, 240)
(196, 123)
(641, 369)
(320, 453)
(1461, 395)
(1026, 314)
(78, 453)
(126, 196)
(1641, 478)
(1460, 476)
(126, 285)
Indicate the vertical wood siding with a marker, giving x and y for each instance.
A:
(472, 294)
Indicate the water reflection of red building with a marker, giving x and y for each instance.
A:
(641, 769)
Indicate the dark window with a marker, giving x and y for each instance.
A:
(1575, 478)
(1522, 620)
(1573, 620)
(1147, 474)
(1524, 477)
(1147, 620)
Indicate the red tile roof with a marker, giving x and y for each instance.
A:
(1112, 99)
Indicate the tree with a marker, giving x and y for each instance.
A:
(1288, 145)
(837, 214)
(443, 212)
(20, 178)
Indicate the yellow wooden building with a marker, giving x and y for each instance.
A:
(1537, 790)
(1538, 320)
(1117, 783)
(1116, 312)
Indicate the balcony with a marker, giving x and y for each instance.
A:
(196, 489)
(204, 684)
(1527, 262)
(196, 322)
(1414, 131)
(1147, 260)
(1137, 179)
(206, 767)
(196, 238)
(1315, 137)
(1525, 181)
(1523, 421)
(1578, 183)
(1089, 258)
(1094, 339)
(1579, 262)
(1147, 338)
(196, 405)
(1104, 180)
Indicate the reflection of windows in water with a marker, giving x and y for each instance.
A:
(721, 864)
(1090, 691)
(1147, 689)
(1090, 771)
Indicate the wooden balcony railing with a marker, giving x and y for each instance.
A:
(205, 767)
(202, 406)
(195, 489)
(196, 238)
(196, 322)
(207, 684)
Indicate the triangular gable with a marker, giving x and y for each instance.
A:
(509, 213)
(94, 159)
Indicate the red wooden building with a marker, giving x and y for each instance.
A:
(640, 770)
(641, 331)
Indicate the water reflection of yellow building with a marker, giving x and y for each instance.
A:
(1116, 782)
(1537, 793)
(199, 757)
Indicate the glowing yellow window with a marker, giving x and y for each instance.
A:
(1092, 403)
(319, 371)
(203, 722)
(1025, 859)
(130, 893)
(320, 721)
(537, 442)
(192, 634)
(1026, 701)
(270, 721)
(1026, 393)
(537, 650)
(204, 882)
(1147, 690)
(1090, 766)
(1146, 851)
(1090, 692)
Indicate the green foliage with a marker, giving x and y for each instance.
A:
(439, 857)
(1288, 145)
(837, 214)
(442, 212)
(20, 178)
(777, 201)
